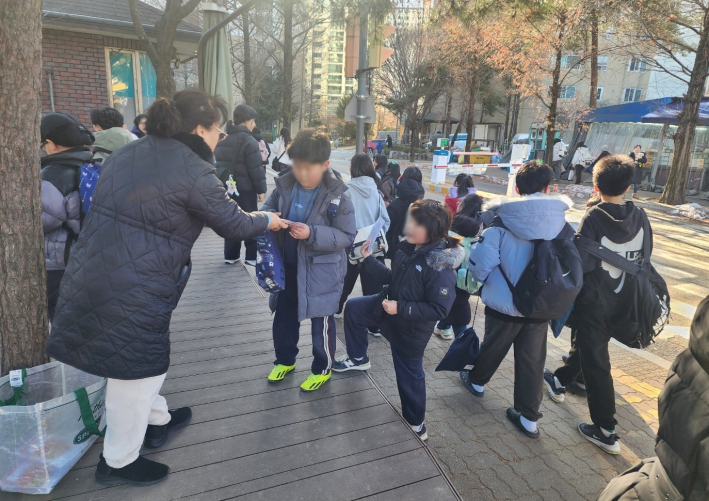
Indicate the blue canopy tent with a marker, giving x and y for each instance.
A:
(669, 113)
(628, 112)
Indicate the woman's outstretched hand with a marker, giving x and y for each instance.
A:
(276, 222)
(367, 248)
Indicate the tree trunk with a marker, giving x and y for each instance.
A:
(506, 131)
(515, 116)
(287, 111)
(674, 192)
(414, 138)
(470, 114)
(593, 94)
(23, 299)
(449, 109)
(248, 78)
(554, 100)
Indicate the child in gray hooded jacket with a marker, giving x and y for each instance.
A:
(506, 251)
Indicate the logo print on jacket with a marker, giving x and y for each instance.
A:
(632, 251)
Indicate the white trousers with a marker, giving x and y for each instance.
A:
(130, 407)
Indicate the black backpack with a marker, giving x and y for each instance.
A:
(552, 279)
(648, 308)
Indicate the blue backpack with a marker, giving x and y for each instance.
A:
(87, 184)
(270, 272)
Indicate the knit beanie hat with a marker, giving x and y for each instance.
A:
(64, 130)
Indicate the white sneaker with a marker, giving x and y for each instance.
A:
(374, 333)
(338, 315)
(231, 261)
(250, 262)
(446, 334)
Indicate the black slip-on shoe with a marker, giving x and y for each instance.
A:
(141, 472)
(156, 436)
(515, 417)
(465, 377)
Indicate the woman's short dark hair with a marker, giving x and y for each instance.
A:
(184, 112)
(244, 113)
(612, 175)
(107, 118)
(412, 173)
(533, 177)
(136, 120)
(393, 172)
(361, 166)
(463, 182)
(310, 146)
(381, 161)
(434, 216)
(470, 206)
(465, 226)
(285, 134)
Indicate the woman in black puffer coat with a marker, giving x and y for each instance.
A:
(408, 191)
(129, 267)
(681, 469)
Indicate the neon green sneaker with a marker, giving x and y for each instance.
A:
(315, 381)
(279, 372)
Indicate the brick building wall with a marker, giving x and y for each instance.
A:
(78, 61)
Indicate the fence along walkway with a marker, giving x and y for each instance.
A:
(253, 440)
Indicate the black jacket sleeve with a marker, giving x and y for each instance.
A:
(440, 294)
(254, 165)
(377, 269)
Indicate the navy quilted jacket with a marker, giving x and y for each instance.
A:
(132, 260)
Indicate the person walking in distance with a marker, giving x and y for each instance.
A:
(640, 159)
(66, 142)
(558, 154)
(280, 150)
(408, 191)
(128, 269)
(322, 225)
(582, 160)
(240, 167)
(621, 227)
(368, 207)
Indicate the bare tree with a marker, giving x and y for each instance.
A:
(23, 300)
(161, 54)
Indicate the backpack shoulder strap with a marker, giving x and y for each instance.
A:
(497, 223)
(566, 233)
(605, 254)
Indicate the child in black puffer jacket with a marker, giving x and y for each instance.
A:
(420, 291)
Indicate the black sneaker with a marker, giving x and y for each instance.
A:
(564, 358)
(422, 433)
(345, 363)
(156, 436)
(140, 472)
(556, 394)
(577, 388)
(374, 331)
(593, 434)
(465, 377)
(516, 418)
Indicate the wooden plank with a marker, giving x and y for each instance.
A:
(230, 351)
(355, 482)
(427, 490)
(262, 327)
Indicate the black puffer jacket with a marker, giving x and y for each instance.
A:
(239, 155)
(61, 203)
(422, 282)
(132, 260)
(683, 436)
(407, 192)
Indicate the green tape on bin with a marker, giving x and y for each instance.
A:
(18, 397)
(87, 416)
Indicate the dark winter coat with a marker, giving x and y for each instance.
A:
(645, 481)
(61, 203)
(239, 156)
(640, 161)
(600, 157)
(408, 191)
(683, 407)
(132, 261)
(322, 261)
(422, 282)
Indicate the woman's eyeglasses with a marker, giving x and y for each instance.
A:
(222, 134)
(43, 146)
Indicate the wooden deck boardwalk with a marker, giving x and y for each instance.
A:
(253, 440)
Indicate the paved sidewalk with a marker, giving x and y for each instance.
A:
(488, 459)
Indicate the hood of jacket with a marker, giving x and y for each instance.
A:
(409, 190)
(699, 335)
(113, 138)
(61, 168)
(445, 256)
(531, 217)
(233, 129)
(364, 186)
(620, 223)
(196, 144)
(453, 192)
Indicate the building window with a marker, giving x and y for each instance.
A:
(333, 100)
(570, 62)
(602, 63)
(334, 79)
(132, 82)
(337, 36)
(567, 92)
(334, 89)
(639, 65)
(317, 55)
(631, 95)
(599, 93)
(335, 58)
(336, 46)
(334, 68)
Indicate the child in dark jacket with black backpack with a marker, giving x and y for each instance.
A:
(606, 296)
(420, 291)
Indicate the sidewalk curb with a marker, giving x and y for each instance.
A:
(443, 190)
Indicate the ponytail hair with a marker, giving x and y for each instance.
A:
(183, 113)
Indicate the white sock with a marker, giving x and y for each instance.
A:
(530, 426)
(417, 428)
(606, 433)
(478, 388)
(557, 383)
